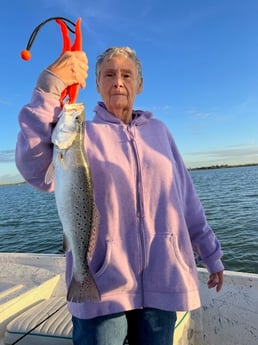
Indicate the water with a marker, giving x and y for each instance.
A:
(29, 220)
(230, 199)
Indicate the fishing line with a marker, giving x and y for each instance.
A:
(40, 323)
(25, 54)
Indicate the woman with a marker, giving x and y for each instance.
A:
(151, 219)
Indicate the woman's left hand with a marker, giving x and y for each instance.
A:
(216, 280)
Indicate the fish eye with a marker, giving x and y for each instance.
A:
(77, 117)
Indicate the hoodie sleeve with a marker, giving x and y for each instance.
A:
(37, 119)
(204, 242)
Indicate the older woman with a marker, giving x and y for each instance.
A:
(151, 219)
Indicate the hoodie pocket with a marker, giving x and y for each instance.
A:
(183, 257)
(115, 274)
(169, 268)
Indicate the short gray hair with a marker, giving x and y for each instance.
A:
(125, 51)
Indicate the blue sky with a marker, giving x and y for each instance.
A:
(200, 67)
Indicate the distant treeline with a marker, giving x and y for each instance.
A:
(12, 183)
(223, 166)
(219, 166)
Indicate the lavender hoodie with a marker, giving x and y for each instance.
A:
(151, 219)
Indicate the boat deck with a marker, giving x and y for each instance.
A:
(33, 308)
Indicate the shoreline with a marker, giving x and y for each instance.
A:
(12, 184)
(224, 166)
(217, 166)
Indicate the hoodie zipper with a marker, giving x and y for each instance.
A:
(139, 196)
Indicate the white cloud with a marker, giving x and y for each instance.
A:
(10, 179)
(201, 115)
(8, 170)
(231, 155)
(5, 101)
(7, 156)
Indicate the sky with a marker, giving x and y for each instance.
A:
(200, 68)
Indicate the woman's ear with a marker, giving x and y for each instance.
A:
(140, 86)
(97, 85)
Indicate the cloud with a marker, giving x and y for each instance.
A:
(235, 150)
(164, 108)
(238, 154)
(11, 178)
(201, 122)
(7, 156)
(4, 101)
(101, 18)
(201, 115)
(197, 15)
(90, 10)
(8, 170)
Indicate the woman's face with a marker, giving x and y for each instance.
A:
(118, 85)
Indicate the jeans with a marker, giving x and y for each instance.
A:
(145, 326)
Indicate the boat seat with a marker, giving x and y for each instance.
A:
(49, 323)
(56, 329)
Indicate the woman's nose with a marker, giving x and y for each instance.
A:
(118, 82)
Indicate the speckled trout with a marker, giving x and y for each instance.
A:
(75, 200)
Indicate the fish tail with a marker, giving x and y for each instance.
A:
(85, 290)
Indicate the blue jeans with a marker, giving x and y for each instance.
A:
(145, 326)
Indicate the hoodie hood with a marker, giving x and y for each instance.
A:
(102, 114)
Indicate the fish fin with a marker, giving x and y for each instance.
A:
(83, 291)
(49, 177)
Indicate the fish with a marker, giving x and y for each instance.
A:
(75, 199)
